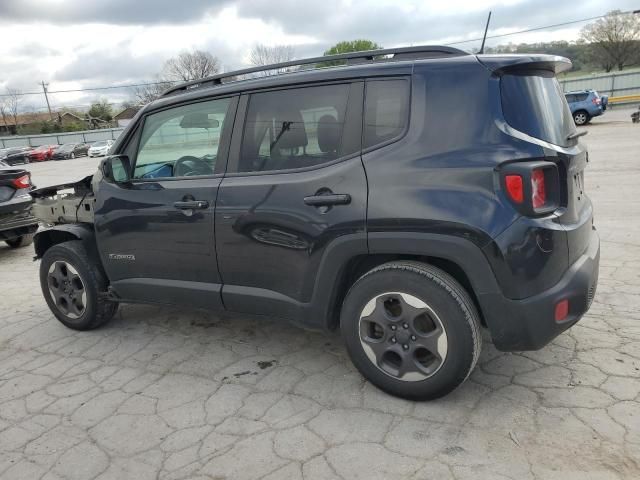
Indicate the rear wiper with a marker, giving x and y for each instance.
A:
(573, 135)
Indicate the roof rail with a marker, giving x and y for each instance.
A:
(397, 54)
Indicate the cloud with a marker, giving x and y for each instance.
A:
(80, 43)
(120, 12)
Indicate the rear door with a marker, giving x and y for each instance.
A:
(155, 233)
(295, 185)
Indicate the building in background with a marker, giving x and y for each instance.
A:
(123, 118)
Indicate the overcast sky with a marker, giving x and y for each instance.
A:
(89, 43)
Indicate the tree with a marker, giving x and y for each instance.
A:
(360, 45)
(263, 55)
(12, 105)
(614, 39)
(189, 66)
(148, 93)
(101, 110)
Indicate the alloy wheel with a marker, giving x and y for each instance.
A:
(67, 289)
(403, 336)
(580, 118)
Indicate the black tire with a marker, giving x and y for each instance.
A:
(21, 241)
(581, 117)
(449, 308)
(97, 309)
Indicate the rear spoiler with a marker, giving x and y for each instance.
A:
(501, 64)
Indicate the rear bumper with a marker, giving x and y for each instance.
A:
(529, 323)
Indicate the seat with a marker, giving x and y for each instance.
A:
(329, 133)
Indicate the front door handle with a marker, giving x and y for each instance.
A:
(192, 205)
(328, 200)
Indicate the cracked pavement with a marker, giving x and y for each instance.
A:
(162, 393)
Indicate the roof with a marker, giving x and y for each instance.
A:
(36, 117)
(127, 113)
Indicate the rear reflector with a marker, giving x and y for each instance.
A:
(538, 192)
(562, 310)
(22, 182)
(515, 188)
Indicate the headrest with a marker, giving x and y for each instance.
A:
(328, 134)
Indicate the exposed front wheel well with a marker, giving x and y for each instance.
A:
(48, 238)
(361, 264)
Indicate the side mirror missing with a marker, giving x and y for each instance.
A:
(116, 168)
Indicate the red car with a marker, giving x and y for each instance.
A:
(42, 153)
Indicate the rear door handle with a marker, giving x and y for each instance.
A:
(192, 205)
(326, 200)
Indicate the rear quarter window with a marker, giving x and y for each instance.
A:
(533, 103)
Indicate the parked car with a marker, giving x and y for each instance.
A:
(100, 148)
(17, 225)
(70, 150)
(351, 198)
(15, 155)
(42, 153)
(585, 105)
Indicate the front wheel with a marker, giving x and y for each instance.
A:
(411, 329)
(74, 287)
(581, 117)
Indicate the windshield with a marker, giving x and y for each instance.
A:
(66, 146)
(535, 104)
(99, 144)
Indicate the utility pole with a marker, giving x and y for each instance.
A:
(44, 89)
(486, 29)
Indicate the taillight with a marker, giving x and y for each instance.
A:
(532, 187)
(22, 182)
(538, 193)
(596, 100)
(514, 188)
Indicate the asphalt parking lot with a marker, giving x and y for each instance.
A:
(171, 394)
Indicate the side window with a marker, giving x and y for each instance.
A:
(386, 110)
(570, 98)
(181, 141)
(295, 128)
(581, 97)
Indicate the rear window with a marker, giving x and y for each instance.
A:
(535, 105)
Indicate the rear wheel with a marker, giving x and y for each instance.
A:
(74, 287)
(581, 117)
(411, 330)
(21, 241)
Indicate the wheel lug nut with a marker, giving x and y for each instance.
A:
(404, 325)
(393, 340)
(413, 337)
(393, 327)
(406, 347)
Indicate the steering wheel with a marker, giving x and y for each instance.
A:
(188, 166)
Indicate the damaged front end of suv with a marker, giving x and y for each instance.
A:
(65, 203)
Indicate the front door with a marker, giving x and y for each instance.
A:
(295, 184)
(155, 233)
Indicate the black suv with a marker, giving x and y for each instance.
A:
(407, 196)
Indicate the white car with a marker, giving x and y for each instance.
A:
(100, 149)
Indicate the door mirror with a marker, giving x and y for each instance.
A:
(116, 168)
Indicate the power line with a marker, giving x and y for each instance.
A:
(572, 22)
(89, 89)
